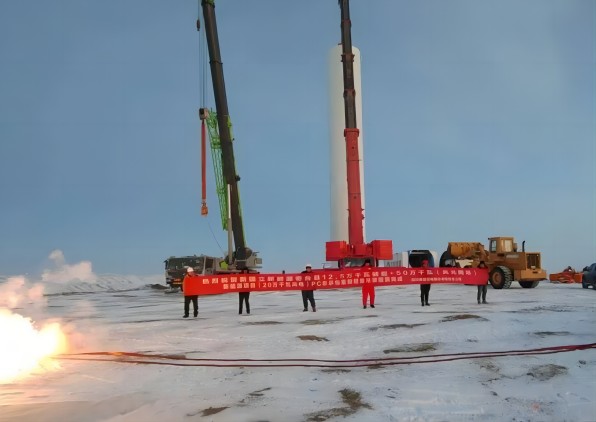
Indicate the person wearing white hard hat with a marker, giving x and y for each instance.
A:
(190, 287)
(308, 295)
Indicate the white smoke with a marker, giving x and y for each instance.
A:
(18, 291)
(61, 277)
(65, 273)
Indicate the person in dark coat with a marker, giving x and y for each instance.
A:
(308, 295)
(243, 298)
(190, 286)
(424, 288)
(482, 287)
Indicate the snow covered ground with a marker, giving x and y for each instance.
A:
(126, 316)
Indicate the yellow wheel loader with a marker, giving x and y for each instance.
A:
(505, 263)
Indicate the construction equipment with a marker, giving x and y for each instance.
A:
(589, 276)
(216, 279)
(239, 255)
(176, 266)
(355, 252)
(242, 256)
(568, 275)
(504, 261)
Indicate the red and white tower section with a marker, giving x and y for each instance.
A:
(337, 142)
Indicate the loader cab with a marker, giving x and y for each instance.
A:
(502, 245)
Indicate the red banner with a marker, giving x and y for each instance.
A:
(336, 279)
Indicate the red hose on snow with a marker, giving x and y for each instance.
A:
(178, 360)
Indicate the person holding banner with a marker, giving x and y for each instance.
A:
(368, 290)
(424, 288)
(482, 288)
(243, 297)
(190, 287)
(308, 295)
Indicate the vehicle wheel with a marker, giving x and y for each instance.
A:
(500, 277)
(445, 256)
(529, 284)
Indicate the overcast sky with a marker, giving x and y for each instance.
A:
(479, 120)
